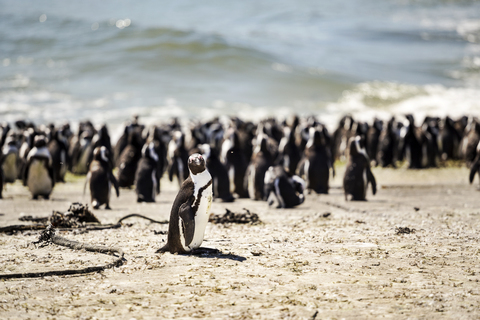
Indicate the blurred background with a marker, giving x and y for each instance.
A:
(106, 60)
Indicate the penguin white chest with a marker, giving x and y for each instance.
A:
(39, 181)
(203, 196)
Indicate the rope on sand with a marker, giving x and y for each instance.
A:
(48, 236)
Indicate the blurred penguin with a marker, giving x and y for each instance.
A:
(38, 174)
(10, 160)
(283, 188)
(100, 179)
(147, 177)
(358, 174)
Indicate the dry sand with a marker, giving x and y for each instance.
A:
(297, 264)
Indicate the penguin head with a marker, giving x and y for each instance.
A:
(40, 141)
(148, 151)
(357, 146)
(196, 163)
(101, 154)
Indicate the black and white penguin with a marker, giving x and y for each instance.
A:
(147, 177)
(191, 209)
(128, 160)
(283, 188)
(58, 148)
(10, 160)
(100, 179)
(316, 165)
(358, 174)
(177, 158)
(411, 144)
(235, 161)
(289, 153)
(387, 145)
(449, 140)
(219, 173)
(262, 159)
(38, 175)
(475, 168)
(470, 140)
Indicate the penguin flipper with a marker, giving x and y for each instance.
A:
(25, 173)
(371, 179)
(87, 180)
(115, 183)
(187, 215)
(474, 169)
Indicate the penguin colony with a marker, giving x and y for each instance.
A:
(274, 161)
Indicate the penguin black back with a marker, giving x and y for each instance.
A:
(100, 178)
(358, 174)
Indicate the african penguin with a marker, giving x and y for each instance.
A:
(177, 158)
(316, 165)
(100, 178)
(283, 188)
(262, 159)
(128, 160)
(235, 161)
(219, 173)
(10, 160)
(190, 209)
(38, 175)
(358, 173)
(147, 177)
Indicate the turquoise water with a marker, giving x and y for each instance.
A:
(106, 60)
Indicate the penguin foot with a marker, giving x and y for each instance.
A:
(107, 207)
(35, 197)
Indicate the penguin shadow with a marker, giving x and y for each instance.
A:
(204, 252)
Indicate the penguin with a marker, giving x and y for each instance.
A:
(411, 145)
(80, 148)
(373, 138)
(219, 173)
(38, 175)
(128, 161)
(284, 188)
(177, 158)
(449, 140)
(470, 141)
(475, 168)
(190, 209)
(58, 148)
(147, 176)
(358, 174)
(317, 162)
(10, 160)
(235, 161)
(100, 179)
(289, 153)
(262, 159)
(387, 145)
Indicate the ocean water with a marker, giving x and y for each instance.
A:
(107, 60)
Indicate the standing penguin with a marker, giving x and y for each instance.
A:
(317, 162)
(219, 173)
(38, 175)
(10, 160)
(358, 173)
(100, 178)
(191, 209)
(262, 159)
(147, 177)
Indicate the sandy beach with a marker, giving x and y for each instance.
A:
(325, 259)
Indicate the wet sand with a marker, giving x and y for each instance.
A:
(326, 259)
